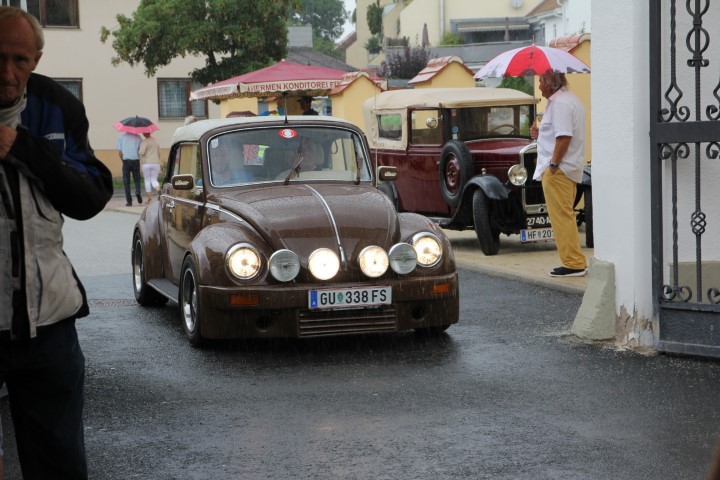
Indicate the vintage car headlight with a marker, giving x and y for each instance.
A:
(323, 263)
(243, 261)
(284, 265)
(518, 174)
(403, 258)
(373, 261)
(428, 248)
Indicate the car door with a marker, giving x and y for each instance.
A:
(419, 179)
(181, 209)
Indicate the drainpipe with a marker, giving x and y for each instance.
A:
(442, 19)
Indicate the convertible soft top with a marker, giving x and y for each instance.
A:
(448, 98)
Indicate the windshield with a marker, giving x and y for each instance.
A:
(478, 123)
(282, 153)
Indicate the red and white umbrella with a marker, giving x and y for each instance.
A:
(532, 60)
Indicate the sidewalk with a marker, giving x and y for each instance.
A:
(528, 262)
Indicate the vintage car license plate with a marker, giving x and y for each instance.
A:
(536, 235)
(349, 297)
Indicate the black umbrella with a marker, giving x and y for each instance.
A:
(136, 125)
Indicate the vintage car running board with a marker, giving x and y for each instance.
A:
(166, 288)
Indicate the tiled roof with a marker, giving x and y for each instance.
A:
(437, 65)
(570, 42)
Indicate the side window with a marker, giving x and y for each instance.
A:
(187, 161)
(390, 126)
(420, 132)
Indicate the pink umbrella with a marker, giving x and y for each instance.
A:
(283, 78)
(532, 60)
(136, 125)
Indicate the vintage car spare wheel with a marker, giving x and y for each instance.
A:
(456, 168)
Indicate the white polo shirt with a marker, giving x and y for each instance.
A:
(564, 116)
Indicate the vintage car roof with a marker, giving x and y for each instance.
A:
(195, 130)
(447, 98)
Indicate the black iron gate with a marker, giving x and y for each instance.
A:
(685, 151)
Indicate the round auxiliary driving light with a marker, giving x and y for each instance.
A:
(323, 263)
(284, 265)
(403, 258)
(373, 261)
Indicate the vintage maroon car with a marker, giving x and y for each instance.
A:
(464, 158)
(274, 227)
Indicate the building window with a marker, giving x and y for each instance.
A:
(174, 99)
(50, 13)
(72, 84)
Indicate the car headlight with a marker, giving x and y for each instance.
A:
(323, 263)
(518, 174)
(373, 261)
(403, 258)
(284, 265)
(243, 261)
(428, 248)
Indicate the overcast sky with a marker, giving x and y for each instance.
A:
(349, 6)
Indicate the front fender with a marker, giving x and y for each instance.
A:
(587, 177)
(412, 224)
(148, 227)
(493, 188)
(208, 249)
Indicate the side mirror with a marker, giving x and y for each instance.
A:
(183, 182)
(387, 173)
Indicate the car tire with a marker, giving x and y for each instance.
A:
(189, 301)
(456, 168)
(488, 236)
(145, 295)
(589, 231)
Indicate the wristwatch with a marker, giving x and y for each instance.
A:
(553, 165)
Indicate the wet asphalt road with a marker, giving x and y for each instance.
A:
(506, 394)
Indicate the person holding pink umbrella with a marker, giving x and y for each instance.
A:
(149, 152)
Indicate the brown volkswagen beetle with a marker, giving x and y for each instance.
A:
(275, 227)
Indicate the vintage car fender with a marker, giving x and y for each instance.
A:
(492, 186)
(208, 249)
(148, 226)
(587, 177)
(414, 223)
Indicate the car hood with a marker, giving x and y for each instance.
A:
(304, 217)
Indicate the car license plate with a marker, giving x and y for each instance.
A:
(349, 297)
(536, 235)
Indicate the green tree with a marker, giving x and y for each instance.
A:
(235, 37)
(373, 45)
(405, 63)
(326, 17)
(374, 18)
(517, 83)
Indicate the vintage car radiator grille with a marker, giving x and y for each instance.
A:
(340, 322)
(533, 192)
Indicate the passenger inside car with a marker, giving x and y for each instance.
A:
(224, 169)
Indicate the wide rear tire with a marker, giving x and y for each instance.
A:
(488, 237)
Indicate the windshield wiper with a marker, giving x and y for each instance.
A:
(296, 165)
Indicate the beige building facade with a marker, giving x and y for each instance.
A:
(76, 56)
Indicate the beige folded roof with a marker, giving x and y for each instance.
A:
(448, 98)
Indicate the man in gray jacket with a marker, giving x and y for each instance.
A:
(47, 170)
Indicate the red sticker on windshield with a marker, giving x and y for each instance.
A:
(288, 133)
